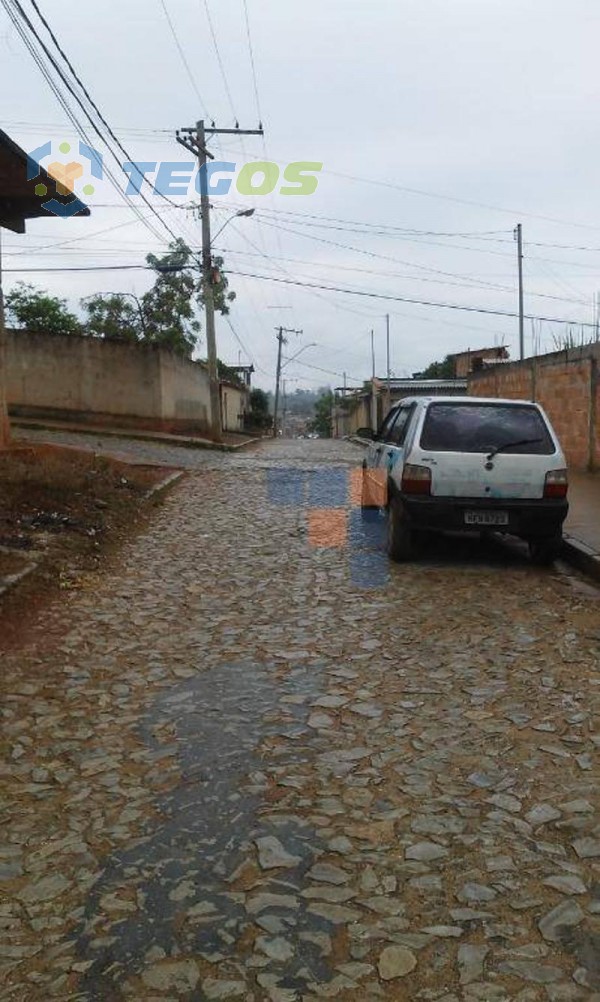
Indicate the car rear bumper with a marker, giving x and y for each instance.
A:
(527, 518)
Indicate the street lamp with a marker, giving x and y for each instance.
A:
(236, 215)
(313, 344)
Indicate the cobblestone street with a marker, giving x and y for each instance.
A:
(253, 760)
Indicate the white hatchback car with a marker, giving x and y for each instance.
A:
(464, 464)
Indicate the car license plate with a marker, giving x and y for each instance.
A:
(486, 517)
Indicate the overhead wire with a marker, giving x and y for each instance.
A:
(18, 15)
(183, 57)
(406, 299)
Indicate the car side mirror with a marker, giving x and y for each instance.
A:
(367, 433)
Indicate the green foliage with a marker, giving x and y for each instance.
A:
(169, 307)
(438, 370)
(35, 310)
(166, 315)
(221, 296)
(301, 403)
(321, 422)
(113, 317)
(259, 418)
(225, 372)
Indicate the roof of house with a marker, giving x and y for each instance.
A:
(497, 349)
(18, 200)
(423, 385)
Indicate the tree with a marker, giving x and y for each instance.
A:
(170, 306)
(36, 310)
(112, 317)
(438, 370)
(321, 422)
(259, 418)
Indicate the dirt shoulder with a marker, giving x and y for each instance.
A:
(63, 512)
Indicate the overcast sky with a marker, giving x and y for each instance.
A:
(453, 118)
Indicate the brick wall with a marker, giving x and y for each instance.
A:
(566, 385)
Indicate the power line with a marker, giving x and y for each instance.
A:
(394, 274)
(182, 54)
(472, 283)
(14, 9)
(405, 299)
(461, 201)
(252, 62)
(219, 59)
(94, 267)
(239, 340)
(87, 94)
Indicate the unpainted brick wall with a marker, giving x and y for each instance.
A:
(566, 385)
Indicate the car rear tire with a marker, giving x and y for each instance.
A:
(546, 550)
(399, 535)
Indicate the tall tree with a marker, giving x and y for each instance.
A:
(36, 310)
(170, 305)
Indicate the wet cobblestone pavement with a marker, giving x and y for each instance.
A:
(236, 769)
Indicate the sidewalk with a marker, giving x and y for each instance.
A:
(231, 441)
(582, 528)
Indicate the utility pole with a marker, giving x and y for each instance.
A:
(519, 238)
(195, 141)
(281, 341)
(4, 425)
(284, 413)
(373, 398)
(387, 342)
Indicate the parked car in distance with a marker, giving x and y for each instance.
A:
(464, 464)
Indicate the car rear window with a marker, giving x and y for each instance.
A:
(466, 427)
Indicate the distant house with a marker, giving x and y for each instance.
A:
(466, 362)
(362, 408)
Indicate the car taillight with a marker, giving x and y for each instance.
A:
(556, 484)
(416, 479)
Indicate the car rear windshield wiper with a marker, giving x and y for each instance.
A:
(513, 445)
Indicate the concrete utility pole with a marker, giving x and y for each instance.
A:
(387, 343)
(195, 141)
(281, 341)
(519, 238)
(373, 397)
(4, 424)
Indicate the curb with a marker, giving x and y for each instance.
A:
(183, 441)
(581, 556)
(164, 485)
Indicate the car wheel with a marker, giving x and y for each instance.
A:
(546, 550)
(399, 536)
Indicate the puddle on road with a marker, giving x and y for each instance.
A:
(180, 873)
